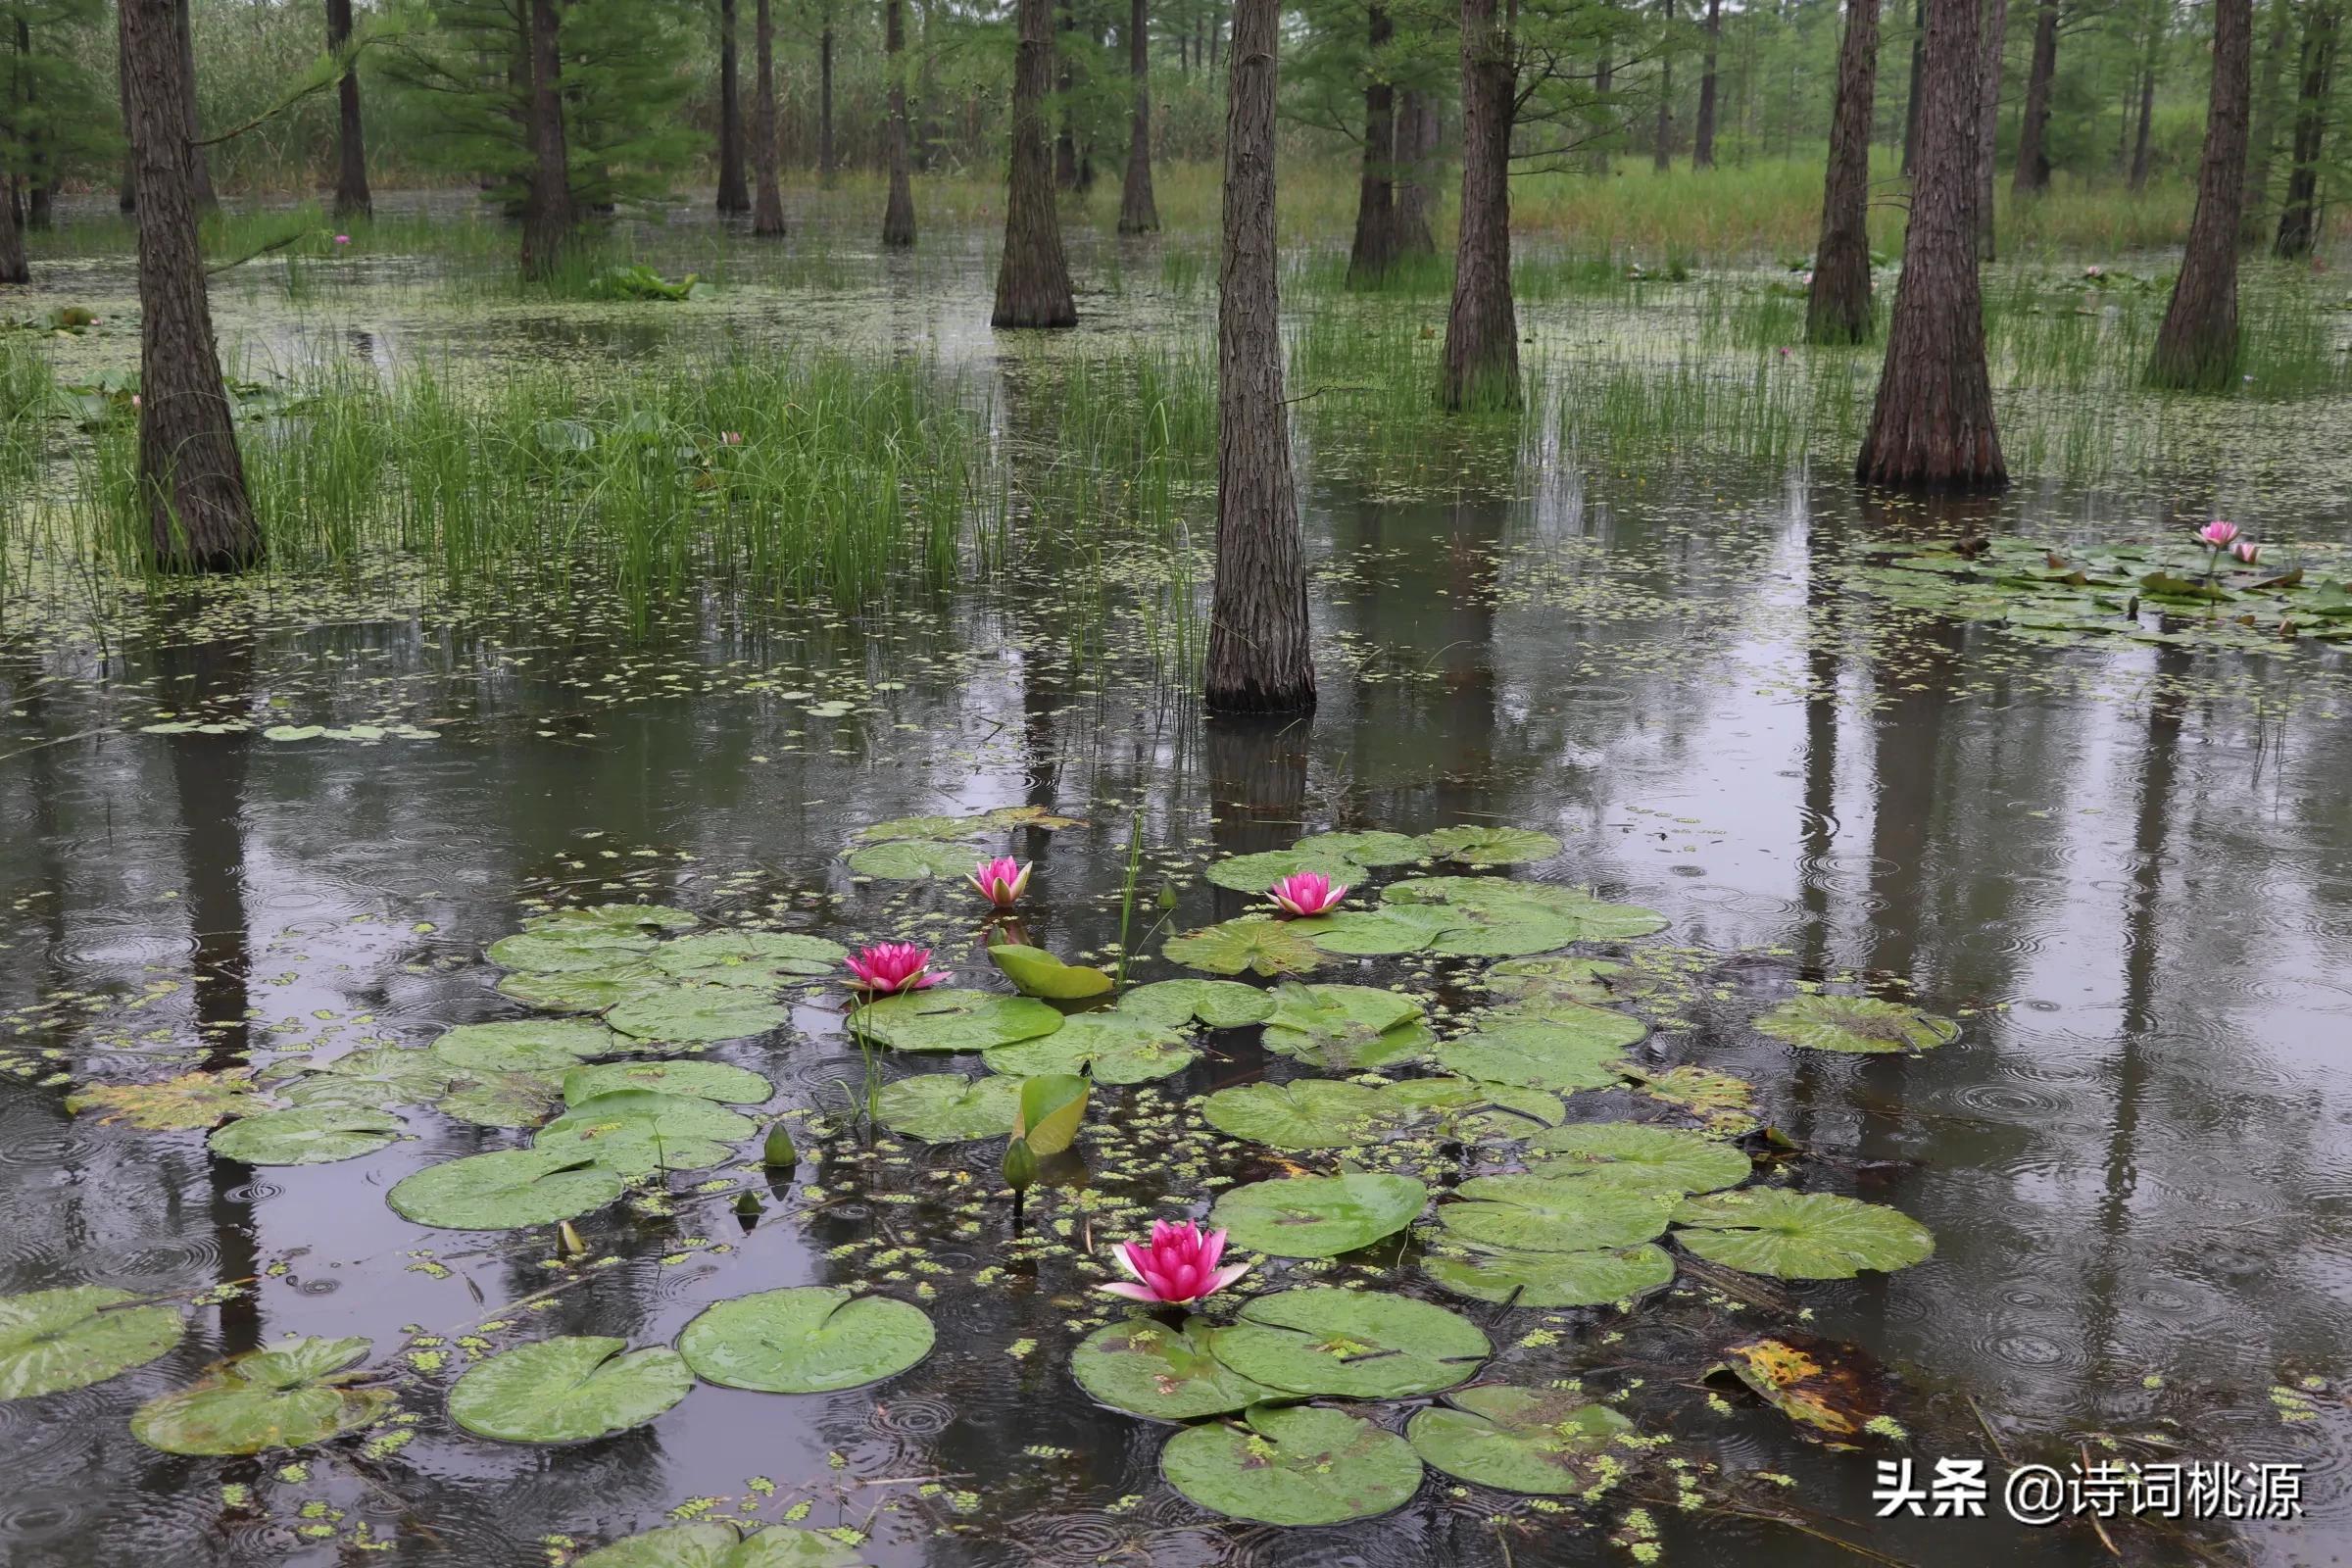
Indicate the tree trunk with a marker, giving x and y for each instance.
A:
(2033, 123)
(2265, 139)
(1605, 78)
(1139, 213)
(1375, 247)
(39, 175)
(825, 166)
(547, 217)
(1416, 145)
(14, 268)
(1259, 660)
(1661, 141)
(2300, 217)
(1481, 330)
(897, 212)
(1838, 309)
(1702, 134)
(351, 143)
(126, 194)
(2197, 345)
(767, 198)
(199, 173)
(1996, 38)
(1065, 139)
(1919, 56)
(1033, 278)
(191, 477)
(2147, 108)
(734, 190)
(1933, 424)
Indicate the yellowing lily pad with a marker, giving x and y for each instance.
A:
(289, 1395)
(1820, 1020)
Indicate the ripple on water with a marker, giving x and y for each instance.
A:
(911, 1415)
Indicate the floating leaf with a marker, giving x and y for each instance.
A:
(1293, 1465)
(914, 860)
(1479, 1109)
(805, 1340)
(1051, 1106)
(639, 1131)
(1383, 932)
(949, 1020)
(621, 917)
(289, 1396)
(52, 1341)
(1364, 849)
(1554, 1214)
(1250, 944)
(1619, 1154)
(503, 1099)
(720, 957)
(563, 947)
(1114, 1047)
(947, 1107)
(1834, 1389)
(703, 1080)
(1558, 1053)
(697, 1016)
(1537, 981)
(1346, 1028)
(1541, 1441)
(1552, 1279)
(723, 1543)
(1799, 1236)
(527, 1045)
(1502, 898)
(1822, 1021)
(1169, 1374)
(1356, 1344)
(1311, 1113)
(506, 1189)
(310, 1135)
(1319, 1217)
(585, 990)
(371, 1077)
(567, 1389)
(1004, 819)
(1037, 973)
(1726, 1105)
(1491, 845)
(191, 1099)
(1215, 1004)
(1254, 874)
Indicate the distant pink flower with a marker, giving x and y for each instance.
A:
(135, 400)
(1306, 892)
(1000, 881)
(1784, 353)
(342, 239)
(730, 438)
(2246, 549)
(2094, 271)
(888, 967)
(1178, 1264)
(2217, 533)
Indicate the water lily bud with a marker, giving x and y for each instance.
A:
(1167, 895)
(777, 1153)
(1020, 1164)
(568, 1243)
(748, 1205)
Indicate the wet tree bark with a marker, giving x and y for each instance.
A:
(14, 268)
(40, 176)
(1065, 139)
(547, 216)
(1259, 660)
(352, 199)
(1139, 212)
(191, 476)
(1604, 80)
(897, 212)
(2147, 109)
(200, 175)
(2033, 122)
(767, 198)
(1838, 309)
(1989, 112)
(825, 166)
(2197, 345)
(1661, 141)
(1375, 248)
(2300, 217)
(2265, 139)
(1033, 277)
(1702, 134)
(1481, 327)
(1932, 426)
(1416, 145)
(734, 190)
(1919, 46)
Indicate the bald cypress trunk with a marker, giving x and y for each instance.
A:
(2300, 217)
(191, 477)
(897, 212)
(825, 163)
(1482, 328)
(2265, 137)
(767, 198)
(1838, 309)
(1989, 111)
(1033, 278)
(1375, 247)
(1702, 135)
(1259, 660)
(1416, 197)
(200, 175)
(352, 199)
(1139, 212)
(547, 218)
(734, 190)
(2033, 122)
(1932, 426)
(14, 268)
(2197, 345)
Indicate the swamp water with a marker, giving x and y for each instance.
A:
(2122, 871)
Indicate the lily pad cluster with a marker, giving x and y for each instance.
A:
(916, 849)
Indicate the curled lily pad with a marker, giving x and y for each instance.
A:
(1293, 1465)
(1213, 1003)
(289, 1396)
(947, 1107)
(585, 990)
(1169, 1374)
(805, 1340)
(1861, 1025)
(503, 1099)
(1541, 1441)
(1364, 849)
(308, 1135)
(716, 956)
(1311, 1113)
(1544, 1214)
(1831, 1389)
(1491, 845)
(697, 1016)
(703, 1080)
(1052, 1106)
(1550, 1279)
(567, 1389)
(506, 1189)
(913, 860)
(949, 1020)
(527, 1045)
(1346, 1028)
(1254, 874)
(1356, 1344)
(1035, 972)
(1799, 1236)
(1319, 1217)
(639, 1131)
(563, 947)
(52, 1341)
(723, 1543)
(1114, 1048)
(1556, 1053)
(1246, 946)
(1620, 1153)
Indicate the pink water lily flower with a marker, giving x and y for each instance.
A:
(888, 967)
(1000, 881)
(2217, 533)
(2247, 551)
(342, 239)
(1306, 892)
(731, 438)
(1178, 1264)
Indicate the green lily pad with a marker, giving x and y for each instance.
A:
(1544, 1214)
(1319, 1217)
(289, 1396)
(564, 947)
(1311, 1113)
(503, 1099)
(703, 1080)
(372, 1077)
(697, 1016)
(1491, 845)
(723, 1543)
(1552, 1279)
(947, 1107)
(585, 990)
(1558, 1053)
(1171, 1375)
(506, 1189)
(1254, 874)
(623, 918)
(52, 1341)
(1364, 849)
(1293, 1465)
(1213, 1003)
(567, 1389)
(1002, 819)
(1821, 1021)
(310, 1135)
(1799, 1236)
(1380, 932)
(805, 1340)
(949, 1020)
(1112, 1046)
(1035, 972)
(716, 958)
(1356, 1344)
(527, 1045)
(1619, 1154)
(1248, 945)
(1479, 1109)
(914, 860)
(1536, 981)
(1500, 897)
(639, 1131)
(1346, 1028)
(1543, 1441)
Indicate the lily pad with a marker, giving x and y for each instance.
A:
(561, 947)
(1862, 1025)
(1319, 1217)
(639, 1131)
(1365, 849)
(1169, 1374)
(1293, 1465)
(1002, 819)
(1726, 1105)
(1254, 874)
(1354, 1345)
(1546, 1214)
(567, 1389)
(1547, 1442)
(1536, 981)
(52, 1341)
(1311, 1113)
(1380, 932)
(527, 1045)
(1114, 1048)
(1619, 1154)
(1799, 1236)
(623, 917)
(946, 1107)
(1246, 946)
(503, 1099)
(913, 860)
(697, 1016)
(371, 1077)
(585, 990)
(716, 958)
(506, 1189)
(308, 1135)
(1550, 1279)
(723, 1543)
(191, 1099)
(289, 1396)
(1558, 1053)
(1035, 972)
(1491, 845)
(703, 1080)
(1830, 1389)
(805, 1340)
(1213, 1003)
(1346, 1028)
(1502, 898)
(1479, 1109)
(949, 1020)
